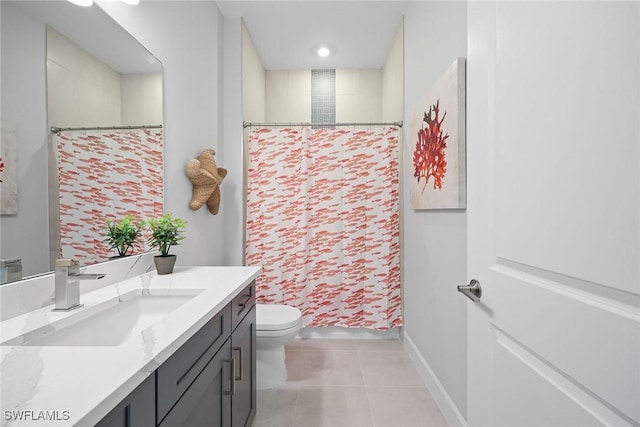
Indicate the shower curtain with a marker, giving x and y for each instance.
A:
(105, 174)
(323, 221)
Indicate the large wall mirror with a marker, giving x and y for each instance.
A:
(67, 66)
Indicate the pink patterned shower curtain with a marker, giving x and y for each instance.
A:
(105, 174)
(323, 221)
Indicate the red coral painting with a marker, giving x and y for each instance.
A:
(8, 168)
(429, 154)
(437, 135)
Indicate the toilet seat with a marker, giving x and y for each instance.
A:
(272, 317)
(279, 333)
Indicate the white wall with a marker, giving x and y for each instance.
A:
(253, 87)
(358, 95)
(253, 81)
(185, 37)
(434, 249)
(82, 90)
(393, 80)
(232, 188)
(23, 87)
(288, 96)
(141, 99)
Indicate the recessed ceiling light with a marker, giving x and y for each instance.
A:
(324, 52)
(82, 2)
(131, 2)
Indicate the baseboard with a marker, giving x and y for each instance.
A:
(348, 333)
(445, 403)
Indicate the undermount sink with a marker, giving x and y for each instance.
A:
(109, 323)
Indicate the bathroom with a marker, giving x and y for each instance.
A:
(440, 247)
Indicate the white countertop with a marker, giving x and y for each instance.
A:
(79, 385)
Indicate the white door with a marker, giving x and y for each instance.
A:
(553, 213)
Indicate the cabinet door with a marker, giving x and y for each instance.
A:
(243, 341)
(207, 401)
(177, 374)
(138, 409)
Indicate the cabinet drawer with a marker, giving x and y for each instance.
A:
(242, 304)
(176, 375)
(207, 401)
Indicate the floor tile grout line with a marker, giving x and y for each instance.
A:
(366, 392)
(399, 386)
(295, 409)
(302, 386)
(373, 421)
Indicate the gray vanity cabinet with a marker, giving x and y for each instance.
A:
(243, 343)
(224, 392)
(209, 381)
(136, 410)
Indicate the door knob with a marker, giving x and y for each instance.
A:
(473, 290)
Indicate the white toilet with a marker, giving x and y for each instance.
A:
(276, 325)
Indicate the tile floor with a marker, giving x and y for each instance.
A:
(348, 383)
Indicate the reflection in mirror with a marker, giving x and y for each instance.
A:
(96, 75)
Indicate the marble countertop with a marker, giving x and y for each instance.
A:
(78, 385)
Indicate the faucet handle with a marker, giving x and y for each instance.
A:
(67, 262)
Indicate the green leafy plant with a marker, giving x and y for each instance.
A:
(166, 231)
(123, 235)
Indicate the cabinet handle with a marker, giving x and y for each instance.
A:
(239, 350)
(246, 301)
(232, 365)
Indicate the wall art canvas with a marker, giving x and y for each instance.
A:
(8, 168)
(436, 139)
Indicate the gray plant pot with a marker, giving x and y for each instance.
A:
(164, 264)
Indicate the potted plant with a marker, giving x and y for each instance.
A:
(166, 231)
(123, 235)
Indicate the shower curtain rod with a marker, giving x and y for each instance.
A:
(249, 124)
(54, 129)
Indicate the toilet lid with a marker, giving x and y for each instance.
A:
(274, 317)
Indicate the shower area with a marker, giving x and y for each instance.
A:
(105, 144)
(323, 201)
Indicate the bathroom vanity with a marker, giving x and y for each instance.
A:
(175, 350)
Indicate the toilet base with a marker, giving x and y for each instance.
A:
(271, 370)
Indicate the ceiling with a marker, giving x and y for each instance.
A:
(287, 34)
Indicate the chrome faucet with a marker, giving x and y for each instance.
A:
(67, 295)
